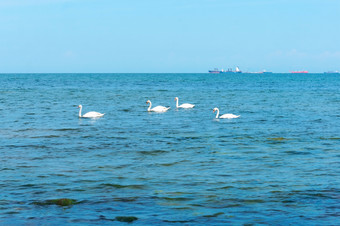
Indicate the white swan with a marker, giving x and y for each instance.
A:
(183, 105)
(91, 114)
(158, 108)
(229, 116)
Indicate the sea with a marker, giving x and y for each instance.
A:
(277, 164)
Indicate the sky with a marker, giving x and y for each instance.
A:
(168, 36)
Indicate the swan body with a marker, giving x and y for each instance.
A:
(228, 116)
(158, 108)
(91, 114)
(183, 105)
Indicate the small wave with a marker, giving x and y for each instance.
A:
(154, 152)
(30, 186)
(126, 199)
(225, 188)
(253, 201)
(67, 129)
(46, 137)
(3, 169)
(28, 146)
(214, 215)
(297, 152)
(167, 164)
(175, 199)
(179, 221)
(278, 139)
(120, 186)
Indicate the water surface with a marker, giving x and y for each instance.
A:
(276, 164)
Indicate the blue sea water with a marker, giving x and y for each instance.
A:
(279, 163)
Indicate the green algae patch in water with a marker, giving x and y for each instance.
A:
(127, 219)
(330, 138)
(63, 202)
(59, 202)
(277, 140)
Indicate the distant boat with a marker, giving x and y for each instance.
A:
(261, 72)
(299, 72)
(238, 70)
(331, 72)
(229, 71)
(215, 71)
(267, 72)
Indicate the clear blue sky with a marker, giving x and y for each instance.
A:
(168, 35)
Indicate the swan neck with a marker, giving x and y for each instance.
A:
(80, 112)
(149, 106)
(176, 103)
(218, 113)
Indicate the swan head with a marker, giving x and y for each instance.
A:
(176, 98)
(148, 102)
(80, 106)
(215, 109)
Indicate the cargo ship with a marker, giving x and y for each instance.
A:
(229, 71)
(237, 70)
(331, 72)
(215, 71)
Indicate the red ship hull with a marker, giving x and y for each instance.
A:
(299, 72)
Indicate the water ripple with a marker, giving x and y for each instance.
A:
(275, 165)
